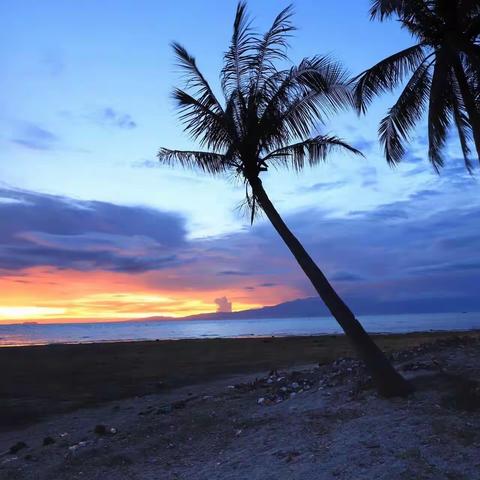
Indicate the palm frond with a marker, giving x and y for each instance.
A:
(310, 151)
(203, 124)
(395, 128)
(466, 79)
(238, 58)
(272, 47)
(462, 123)
(473, 29)
(386, 75)
(406, 10)
(464, 133)
(208, 162)
(384, 8)
(439, 112)
(319, 74)
(297, 99)
(194, 80)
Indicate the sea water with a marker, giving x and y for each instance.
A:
(40, 334)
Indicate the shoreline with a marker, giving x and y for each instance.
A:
(238, 337)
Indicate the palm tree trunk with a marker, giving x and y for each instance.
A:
(387, 380)
(470, 104)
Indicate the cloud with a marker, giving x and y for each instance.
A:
(346, 277)
(232, 273)
(422, 247)
(365, 145)
(424, 194)
(472, 264)
(324, 186)
(146, 163)
(41, 230)
(111, 117)
(388, 212)
(34, 137)
(223, 305)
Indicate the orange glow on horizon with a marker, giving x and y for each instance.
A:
(47, 295)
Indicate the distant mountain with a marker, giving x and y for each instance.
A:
(302, 307)
(314, 307)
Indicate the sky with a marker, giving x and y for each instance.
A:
(91, 227)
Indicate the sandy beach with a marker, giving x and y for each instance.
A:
(246, 408)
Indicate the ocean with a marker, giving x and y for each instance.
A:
(38, 334)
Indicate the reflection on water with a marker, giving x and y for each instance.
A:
(123, 331)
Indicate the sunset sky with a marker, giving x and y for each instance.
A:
(92, 228)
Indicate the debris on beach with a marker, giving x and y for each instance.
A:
(180, 404)
(17, 447)
(288, 456)
(164, 409)
(78, 445)
(9, 459)
(280, 386)
(48, 441)
(101, 429)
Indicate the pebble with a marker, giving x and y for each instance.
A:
(48, 441)
(17, 447)
(100, 429)
(164, 409)
(83, 443)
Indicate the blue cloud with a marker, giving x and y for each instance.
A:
(323, 186)
(35, 137)
(230, 273)
(346, 277)
(109, 116)
(41, 230)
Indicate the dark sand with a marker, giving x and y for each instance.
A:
(304, 423)
(44, 380)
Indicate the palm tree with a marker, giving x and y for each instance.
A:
(267, 121)
(444, 69)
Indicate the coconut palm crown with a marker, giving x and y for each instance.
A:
(268, 114)
(443, 69)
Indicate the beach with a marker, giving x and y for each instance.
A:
(40, 380)
(213, 409)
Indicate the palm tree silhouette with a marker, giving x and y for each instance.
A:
(267, 120)
(444, 66)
